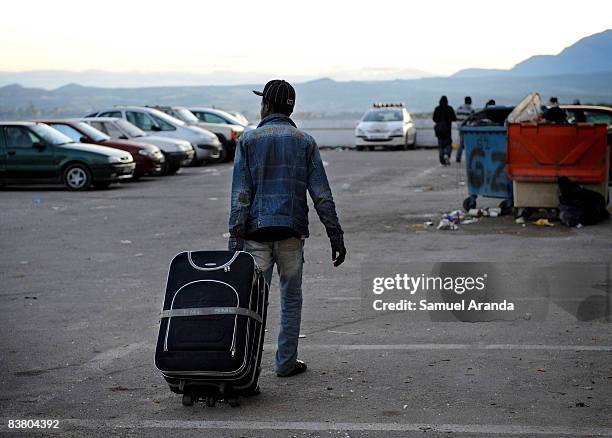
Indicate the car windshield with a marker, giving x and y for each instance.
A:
(234, 120)
(130, 129)
(383, 116)
(92, 132)
(186, 116)
(172, 121)
(50, 135)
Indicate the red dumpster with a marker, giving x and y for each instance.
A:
(540, 153)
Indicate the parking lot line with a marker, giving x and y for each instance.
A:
(482, 429)
(408, 347)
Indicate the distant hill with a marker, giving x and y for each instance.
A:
(323, 97)
(592, 54)
(107, 79)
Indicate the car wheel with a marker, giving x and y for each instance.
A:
(359, 148)
(102, 185)
(223, 155)
(172, 169)
(410, 145)
(77, 177)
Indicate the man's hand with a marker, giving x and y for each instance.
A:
(338, 254)
(236, 241)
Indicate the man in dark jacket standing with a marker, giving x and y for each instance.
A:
(274, 166)
(443, 117)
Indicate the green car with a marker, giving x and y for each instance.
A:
(34, 152)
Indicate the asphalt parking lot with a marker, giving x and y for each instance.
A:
(82, 277)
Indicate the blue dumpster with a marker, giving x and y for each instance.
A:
(485, 154)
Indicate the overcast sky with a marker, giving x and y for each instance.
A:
(291, 39)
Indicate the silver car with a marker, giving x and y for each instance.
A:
(206, 144)
(176, 152)
(225, 129)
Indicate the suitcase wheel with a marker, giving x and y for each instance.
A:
(210, 401)
(188, 399)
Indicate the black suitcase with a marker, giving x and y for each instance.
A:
(212, 326)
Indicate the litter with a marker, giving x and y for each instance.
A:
(543, 223)
(475, 212)
(520, 220)
(469, 221)
(126, 242)
(446, 224)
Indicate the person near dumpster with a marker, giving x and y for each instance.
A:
(463, 113)
(555, 114)
(443, 117)
(274, 166)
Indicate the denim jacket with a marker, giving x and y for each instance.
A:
(274, 166)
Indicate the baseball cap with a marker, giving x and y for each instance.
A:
(278, 92)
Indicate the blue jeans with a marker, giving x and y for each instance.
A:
(288, 255)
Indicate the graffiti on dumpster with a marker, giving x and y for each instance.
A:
(481, 173)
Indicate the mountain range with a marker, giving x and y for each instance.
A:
(583, 71)
(592, 54)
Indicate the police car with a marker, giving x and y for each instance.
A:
(386, 125)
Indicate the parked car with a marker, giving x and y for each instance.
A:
(215, 115)
(206, 145)
(176, 152)
(242, 120)
(33, 152)
(148, 158)
(387, 125)
(227, 132)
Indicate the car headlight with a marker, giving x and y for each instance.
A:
(360, 131)
(398, 131)
(114, 159)
(146, 153)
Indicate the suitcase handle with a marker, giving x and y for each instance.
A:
(224, 266)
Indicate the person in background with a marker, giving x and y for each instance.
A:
(579, 116)
(490, 102)
(555, 114)
(443, 117)
(463, 112)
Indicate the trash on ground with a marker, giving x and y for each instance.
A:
(446, 224)
(450, 220)
(475, 212)
(426, 224)
(469, 221)
(126, 242)
(543, 223)
(520, 220)
(580, 206)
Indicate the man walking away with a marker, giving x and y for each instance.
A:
(463, 113)
(274, 166)
(443, 117)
